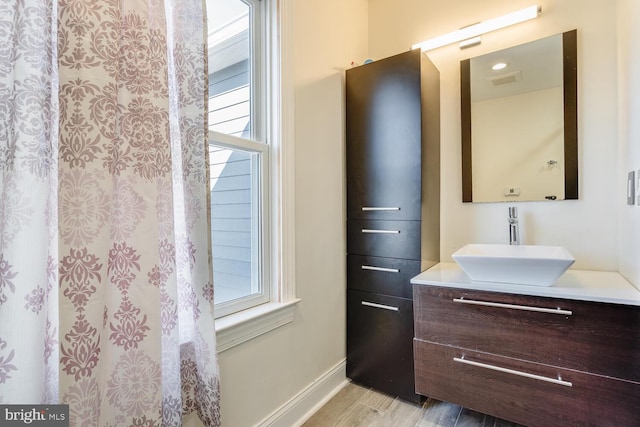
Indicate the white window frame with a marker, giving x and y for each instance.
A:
(278, 201)
(260, 230)
(257, 143)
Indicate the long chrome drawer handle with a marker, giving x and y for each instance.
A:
(374, 208)
(374, 305)
(515, 307)
(368, 230)
(387, 270)
(558, 381)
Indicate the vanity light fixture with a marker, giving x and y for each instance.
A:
(480, 28)
(474, 41)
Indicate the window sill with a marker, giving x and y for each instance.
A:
(240, 327)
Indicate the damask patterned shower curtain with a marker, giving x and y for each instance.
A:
(106, 298)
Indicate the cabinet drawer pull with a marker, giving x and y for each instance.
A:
(558, 380)
(374, 208)
(386, 270)
(374, 305)
(373, 231)
(515, 307)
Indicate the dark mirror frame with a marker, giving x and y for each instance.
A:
(570, 73)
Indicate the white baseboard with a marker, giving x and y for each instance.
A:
(304, 404)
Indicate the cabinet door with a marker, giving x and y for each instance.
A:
(527, 393)
(380, 344)
(383, 133)
(388, 276)
(390, 239)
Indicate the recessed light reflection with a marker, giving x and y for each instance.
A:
(499, 66)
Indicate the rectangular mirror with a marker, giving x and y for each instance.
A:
(520, 123)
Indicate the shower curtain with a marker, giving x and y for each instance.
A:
(106, 295)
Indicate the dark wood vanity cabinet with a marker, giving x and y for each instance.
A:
(537, 361)
(393, 226)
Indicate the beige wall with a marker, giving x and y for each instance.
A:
(629, 112)
(261, 375)
(513, 139)
(588, 227)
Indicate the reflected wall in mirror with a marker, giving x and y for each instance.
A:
(519, 122)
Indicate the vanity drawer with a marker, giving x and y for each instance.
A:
(587, 336)
(389, 276)
(390, 239)
(522, 392)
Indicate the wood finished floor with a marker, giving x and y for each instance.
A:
(356, 406)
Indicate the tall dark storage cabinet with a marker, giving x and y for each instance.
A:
(393, 212)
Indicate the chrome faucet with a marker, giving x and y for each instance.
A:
(514, 232)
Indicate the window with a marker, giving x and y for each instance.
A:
(238, 155)
(252, 164)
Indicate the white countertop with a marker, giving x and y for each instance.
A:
(583, 285)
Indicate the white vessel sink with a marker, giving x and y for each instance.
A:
(518, 264)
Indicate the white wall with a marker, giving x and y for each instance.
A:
(588, 227)
(260, 376)
(629, 113)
